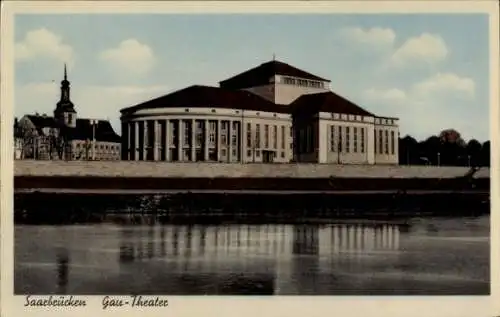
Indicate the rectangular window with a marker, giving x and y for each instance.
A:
(275, 137)
(249, 152)
(347, 140)
(249, 135)
(266, 136)
(380, 142)
(392, 143)
(199, 132)
(332, 138)
(375, 141)
(257, 136)
(340, 140)
(187, 133)
(362, 140)
(386, 142)
(355, 135)
(212, 132)
(283, 137)
(224, 132)
(234, 139)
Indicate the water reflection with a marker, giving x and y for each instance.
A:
(271, 240)
(246, 259)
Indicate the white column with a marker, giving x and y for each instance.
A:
(129, 140)
(166, 146)
(193, 140)
(206, 126)
(145, 141)
(230, 139)
(218, 140)
(180, 141)
(136, 141)
(156, 140)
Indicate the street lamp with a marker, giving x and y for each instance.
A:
(439, 159)
(93, 122)
(468, 159)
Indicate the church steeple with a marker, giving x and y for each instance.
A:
(65, 112)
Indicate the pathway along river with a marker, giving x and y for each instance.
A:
(431, 256)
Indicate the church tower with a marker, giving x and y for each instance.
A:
(65, 113)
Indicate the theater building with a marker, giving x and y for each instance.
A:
(271, 113)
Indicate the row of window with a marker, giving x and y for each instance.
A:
(302, 82)
(384, 121)
(382, 142)
(254, 136)
(340, 139)
(98, 146)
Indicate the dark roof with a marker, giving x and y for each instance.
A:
(326, 102)
(204, 96)
(261, 75)
(42, 121)
(65, 106)
(103, 131)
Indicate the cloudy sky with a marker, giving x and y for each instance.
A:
(430, 70)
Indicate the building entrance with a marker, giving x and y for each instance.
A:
(267, 156)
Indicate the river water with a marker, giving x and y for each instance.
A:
(439, 256)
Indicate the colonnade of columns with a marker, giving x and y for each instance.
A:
(182, 140)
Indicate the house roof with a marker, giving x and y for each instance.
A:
(205, 96)
(327, 102)
(103, 130)
(262, 74)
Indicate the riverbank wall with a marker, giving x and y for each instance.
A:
(220, 170)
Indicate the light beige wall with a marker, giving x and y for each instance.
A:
(254, 152)
(267, 91)
(162, 169)
(104, 151)
(286, 94)
(329, 155)
(280, 93)
(389, 125)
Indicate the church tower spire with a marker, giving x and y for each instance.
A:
(65, 113)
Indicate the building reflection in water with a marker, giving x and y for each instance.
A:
(62, 264)
(252, 240)
(280, 252)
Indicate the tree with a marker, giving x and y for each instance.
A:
(25, 138)
(408, 150)
(430, 150)
(451, 136)
(485, 154)
(473, 150)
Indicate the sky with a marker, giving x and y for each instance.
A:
(429, 70)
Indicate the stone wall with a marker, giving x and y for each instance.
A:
(211, 170)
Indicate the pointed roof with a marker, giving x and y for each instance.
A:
(65, 104)
(327, 102)
(104, 132)
(198, 96)
(261, 75)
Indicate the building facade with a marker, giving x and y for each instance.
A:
(272, 113)
(65, 136)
